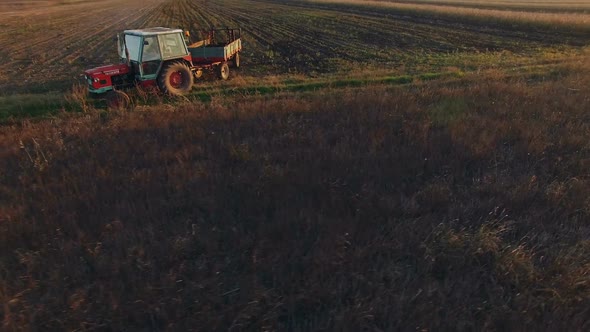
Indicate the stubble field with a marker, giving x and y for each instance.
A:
(373, 166)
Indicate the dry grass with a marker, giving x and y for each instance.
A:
(435, 207)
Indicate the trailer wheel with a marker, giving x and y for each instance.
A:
(223, 71)
(176, 78)
(236, 61)
(198, 73)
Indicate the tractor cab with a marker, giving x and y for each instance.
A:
(145, 50)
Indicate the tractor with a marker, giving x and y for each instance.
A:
(165, 58)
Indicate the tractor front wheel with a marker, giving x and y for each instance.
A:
(223, 71)
(175, 79)
(118, 100)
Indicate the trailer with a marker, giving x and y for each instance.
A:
(207, 54)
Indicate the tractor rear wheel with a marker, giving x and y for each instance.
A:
(175, 78)
(223, 71)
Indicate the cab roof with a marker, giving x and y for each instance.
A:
(151, 31)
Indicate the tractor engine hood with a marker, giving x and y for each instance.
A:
(102, 79)
(110, 70)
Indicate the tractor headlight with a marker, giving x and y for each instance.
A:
(96, 80)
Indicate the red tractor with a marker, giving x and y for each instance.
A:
(161, 57)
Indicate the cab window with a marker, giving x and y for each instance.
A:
(133, 46)
(151, 51)
(172, 45)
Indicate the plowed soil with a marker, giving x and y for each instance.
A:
(47, 44)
